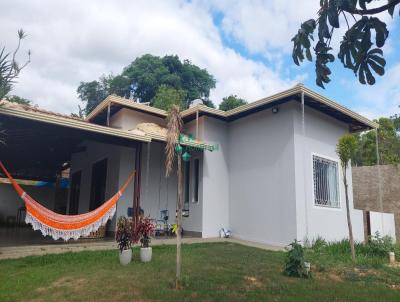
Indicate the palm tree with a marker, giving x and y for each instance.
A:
(173, 149)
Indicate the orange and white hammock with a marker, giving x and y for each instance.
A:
(66, 226)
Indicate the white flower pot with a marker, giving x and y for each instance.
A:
(145, 254)
(125, 257)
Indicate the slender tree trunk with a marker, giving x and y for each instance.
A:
(353, 252)
(179, 224)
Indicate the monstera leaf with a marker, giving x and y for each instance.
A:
(372, 59)
(323, 58)
(391, 9)
(301, 42)
(333, 13)
(360, 48)
(363, 3)
(355, 49)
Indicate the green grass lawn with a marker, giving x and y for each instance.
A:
(212, 272)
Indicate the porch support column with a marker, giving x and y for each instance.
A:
(136, 191)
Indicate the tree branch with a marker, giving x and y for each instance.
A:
(348, 27)
(374, 11)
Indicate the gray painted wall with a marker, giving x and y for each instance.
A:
(262, 184)
(320, 136)
(215, 177)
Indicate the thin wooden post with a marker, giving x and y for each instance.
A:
(136, 190)
(179, 223)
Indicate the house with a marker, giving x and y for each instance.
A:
(268, 170)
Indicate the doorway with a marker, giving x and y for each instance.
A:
(98, 186)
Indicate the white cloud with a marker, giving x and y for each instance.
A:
(262, 25)
(75, 41)
(383, 98)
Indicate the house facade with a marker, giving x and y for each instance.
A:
(267, 171)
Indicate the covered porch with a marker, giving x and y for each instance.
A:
(92, 162)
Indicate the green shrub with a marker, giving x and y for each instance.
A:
(378, 246)
(373, 253)
(294, 262)
(318, 244)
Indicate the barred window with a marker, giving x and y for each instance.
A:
(326, 186)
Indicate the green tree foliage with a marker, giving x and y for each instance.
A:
(92, 93)
(167, 96)
(231, 102)
(346, 149)
(9, 67)
(388, 142)
(361, 46)
(208, 103)
(18, 100)
(144, 77)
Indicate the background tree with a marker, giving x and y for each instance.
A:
(167, 96)
(208, 103)
(388, 141)
(18, 100)
(143, 78)
(346, 149)
(173, 149)
(361, 46)
(9, 67)
(92, 93)
(231, 102)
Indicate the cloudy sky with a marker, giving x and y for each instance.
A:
(244, 44)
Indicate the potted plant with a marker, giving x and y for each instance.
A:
(145, 229)
(123, 236)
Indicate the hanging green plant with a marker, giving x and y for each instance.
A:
(186, 156)
(178, 149)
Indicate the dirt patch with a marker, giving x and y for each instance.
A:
(331, 276)
(252, 281)
(335, 277)
(394, 265)
(75, 284)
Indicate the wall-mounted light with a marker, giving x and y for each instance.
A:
(275, 110)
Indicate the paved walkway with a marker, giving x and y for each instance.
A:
(12, 252)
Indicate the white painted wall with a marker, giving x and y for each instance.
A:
(383, 223)
(128, 119)
(262, 184)
(320, 136)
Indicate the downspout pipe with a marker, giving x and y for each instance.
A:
(303, 132)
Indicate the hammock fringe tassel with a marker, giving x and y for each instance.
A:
(66, 227)
(68, 234)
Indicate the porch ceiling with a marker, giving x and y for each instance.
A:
(37, 150)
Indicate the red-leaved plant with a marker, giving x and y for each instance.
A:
(123, 233)
(144, 230)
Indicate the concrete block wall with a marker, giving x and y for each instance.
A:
(366, 190)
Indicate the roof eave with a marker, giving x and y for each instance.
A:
(72, 123)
